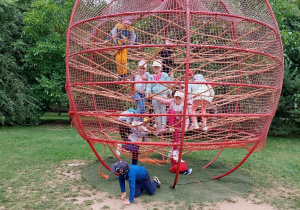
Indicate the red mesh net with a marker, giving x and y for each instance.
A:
(226, 56)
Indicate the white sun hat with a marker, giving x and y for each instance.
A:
(143, 63)
(157, 63)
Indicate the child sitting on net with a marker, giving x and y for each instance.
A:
(182, 168)
(200, 95)
(138, 91)
(176, 106)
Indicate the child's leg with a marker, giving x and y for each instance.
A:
(135, 158)
(194, 107)
(135, 152)
(156, 109)
(124, 61)
(140, 102)
(171, 119)
(204, 104)
(141, 105)
(162, 119)
(121, 59)
(176, 133)
(147, 185)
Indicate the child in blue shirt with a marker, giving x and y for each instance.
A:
(138, 178)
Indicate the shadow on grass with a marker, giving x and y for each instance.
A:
(197, 187)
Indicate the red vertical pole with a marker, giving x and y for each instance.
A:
(188, 39)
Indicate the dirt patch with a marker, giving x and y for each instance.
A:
(241, 203)
(102, 200)
(70, 169)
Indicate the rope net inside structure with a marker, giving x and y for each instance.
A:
(234, 46)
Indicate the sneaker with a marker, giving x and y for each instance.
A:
(143, 128)
(139, 126)
(171, 130)
(136, 123)
(160, 130)
(118, 149)
(194, 127)
(158, 184)
(188, 171)
(205, 128)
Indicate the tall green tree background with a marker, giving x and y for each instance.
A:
(287, 116)
(32, 69)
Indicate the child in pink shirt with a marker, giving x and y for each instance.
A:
(175, 107)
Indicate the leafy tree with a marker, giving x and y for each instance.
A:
(17, 106)
(287, 117)
(45, 25)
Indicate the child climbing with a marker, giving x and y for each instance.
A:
(137, 135)
(122, 34)
(201, 95)
(162, 91)
(134, 134)
(176, 106)
(124, 126)
(139, 91)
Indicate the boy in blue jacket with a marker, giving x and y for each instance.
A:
(138, 178)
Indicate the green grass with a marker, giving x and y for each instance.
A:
(53, 117)
(34, 162)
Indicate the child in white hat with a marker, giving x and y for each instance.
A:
(139, 91)
(161, 90)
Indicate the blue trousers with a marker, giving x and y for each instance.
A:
(145, 184)
(135, 152)
(140, 102)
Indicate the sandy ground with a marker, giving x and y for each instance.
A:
(112, 203)
(101, 200)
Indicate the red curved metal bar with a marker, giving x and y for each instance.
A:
(114, 153)
(241, 163)
(97, 155)
(213, 160)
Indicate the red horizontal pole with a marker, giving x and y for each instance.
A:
(154, 115)
(174, 12)
(169, 144)
(173, 82)
(177, 45)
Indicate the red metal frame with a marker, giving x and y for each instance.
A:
(77, 114)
